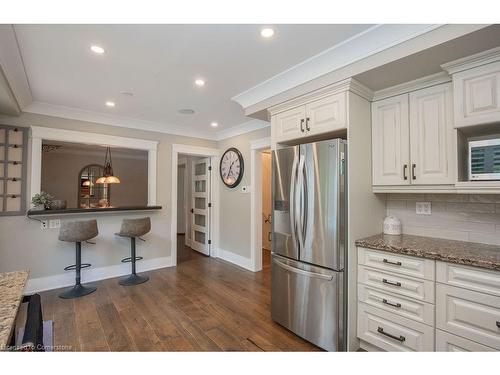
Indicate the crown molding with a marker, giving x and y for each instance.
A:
(358, 47)
(473, 61)
(244, 128)
(417, 84)
(349, 84)
(81, 152)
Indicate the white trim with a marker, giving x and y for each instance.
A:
(417, 84)
(246, 127)
(213, 153)
(256, 148)
(473, 61)
(358, 47)
(236, 259)
(41, 284)
(52, 134)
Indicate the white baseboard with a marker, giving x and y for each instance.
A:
(41, 284)
(235, 259)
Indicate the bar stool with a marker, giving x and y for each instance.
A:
(78, 231)
(133, 228)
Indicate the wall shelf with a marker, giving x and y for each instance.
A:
(86, 211)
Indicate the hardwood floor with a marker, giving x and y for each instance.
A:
(185, 253)
(203, 304)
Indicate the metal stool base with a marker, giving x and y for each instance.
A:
(77, 291)
(133, 279)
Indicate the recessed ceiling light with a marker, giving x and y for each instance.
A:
(199, 82)
(186, 111)
(110, 104)
(97, 49)
(214, 124)
(266, 32)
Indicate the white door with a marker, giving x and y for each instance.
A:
(290, 124)
(200, 206)
(391, 141)
(432, 135)
(327, 114)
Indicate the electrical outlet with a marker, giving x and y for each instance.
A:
(423, 208)
(43, 224)
(55, 223)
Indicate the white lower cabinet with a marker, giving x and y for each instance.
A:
(458, 311)
(391, 332)
(447, 342)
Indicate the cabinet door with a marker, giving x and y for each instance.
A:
(432, 136)
(390, 141)
(477, 95)
(327, 114)
(290, 124)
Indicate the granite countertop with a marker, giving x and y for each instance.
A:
(11, 293)
(460, 252)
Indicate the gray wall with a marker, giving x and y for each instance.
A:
(60, 176)
(24, 245)
(235, 205)
(464, 217)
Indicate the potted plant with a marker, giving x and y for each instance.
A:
(41, 201)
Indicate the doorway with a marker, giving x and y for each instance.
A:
(193, 207)
(192, 200)
(266, 208)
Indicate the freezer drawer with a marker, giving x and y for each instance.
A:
(308, 301)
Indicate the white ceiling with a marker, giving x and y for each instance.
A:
(159, 63)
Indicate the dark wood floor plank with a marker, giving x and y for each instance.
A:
(116, 334)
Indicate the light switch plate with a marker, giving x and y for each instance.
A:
(423, 208)
(245, 189)
(55, 223)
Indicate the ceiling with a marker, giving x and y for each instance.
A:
(159, 63)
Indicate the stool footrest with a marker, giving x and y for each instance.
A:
(73, 266)
(129, 259)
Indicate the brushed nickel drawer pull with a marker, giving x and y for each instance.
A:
(398, 305)
(307, 124)
(405, 167)
(385, 281)
(302, 125)
(400, 338)
(390, 262)
(413, 174)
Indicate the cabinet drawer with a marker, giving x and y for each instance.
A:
(446, 342)
(401, 264)
(392, 332)
(472, 315)
(472, 278)
(419, 311)
(422, 290)
(290, 124)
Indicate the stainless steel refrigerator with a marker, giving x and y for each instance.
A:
(309, 241)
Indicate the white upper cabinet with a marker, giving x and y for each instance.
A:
(477, 95)
(432, 141)
(327, 114)
(390, 141)
(413, 139)
(290, 124)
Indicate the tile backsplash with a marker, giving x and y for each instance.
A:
(463, 217)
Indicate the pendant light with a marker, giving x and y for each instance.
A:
(108, 177)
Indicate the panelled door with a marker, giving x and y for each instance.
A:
(432, 135)
(391, 141)
(200, 206)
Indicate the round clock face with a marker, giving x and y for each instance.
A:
(231, 167)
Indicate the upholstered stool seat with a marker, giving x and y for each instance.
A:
(134, 228)
(77, 232)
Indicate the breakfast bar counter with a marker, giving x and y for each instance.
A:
(11, 294)
(77, 211)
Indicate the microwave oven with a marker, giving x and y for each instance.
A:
(484, 160)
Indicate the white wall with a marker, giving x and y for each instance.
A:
(24, 245)
(234, 204)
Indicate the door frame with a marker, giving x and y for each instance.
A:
(256, 148)
(214, 154)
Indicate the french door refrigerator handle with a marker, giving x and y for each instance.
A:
(305, 212)
(299, 214)
(293, 200)
(303, 272)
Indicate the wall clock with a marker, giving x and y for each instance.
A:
(231, 167)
